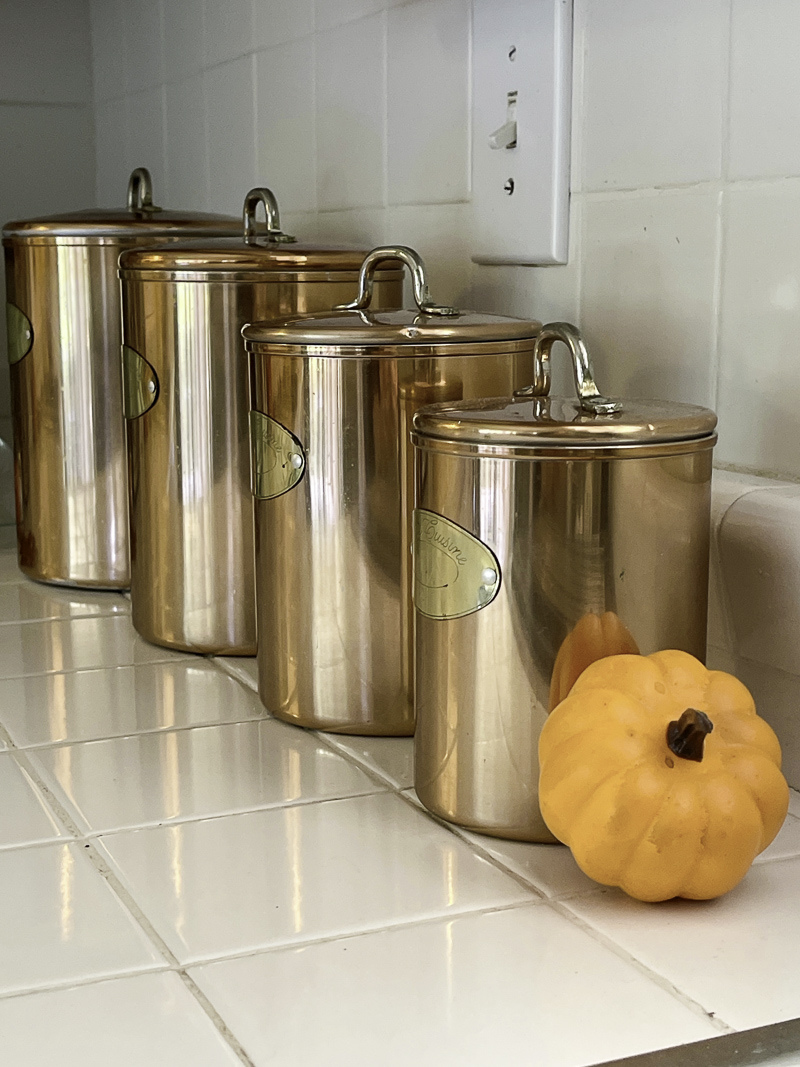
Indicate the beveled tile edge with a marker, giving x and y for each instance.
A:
(742, 1048)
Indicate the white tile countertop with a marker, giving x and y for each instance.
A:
(186, 882)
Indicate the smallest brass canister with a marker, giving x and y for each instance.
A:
(548, 532)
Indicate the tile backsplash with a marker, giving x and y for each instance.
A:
(685, 169)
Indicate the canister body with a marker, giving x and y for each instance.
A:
(192, 546)
(69, 443)
(574, 538)
(333, 555)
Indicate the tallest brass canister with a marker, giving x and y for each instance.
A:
(64, 336)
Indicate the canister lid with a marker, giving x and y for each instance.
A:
(257, 252)
(141, 218)
(534, 421)
(529, 422)
(356, 326)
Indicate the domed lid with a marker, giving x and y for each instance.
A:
(534, 420)
(356, 326)
(141, 218)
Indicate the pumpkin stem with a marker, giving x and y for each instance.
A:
(686, 735)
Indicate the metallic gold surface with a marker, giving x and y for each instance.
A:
(278, 461)
(333, 553)
(139, 384)
(598, 530)
(192, 555)
(454, 573)
(20, 333)
(69, 445)
(66, 394)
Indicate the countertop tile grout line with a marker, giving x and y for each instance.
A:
(556, 905)
(39, 746)
(127, 901)
(562, 907)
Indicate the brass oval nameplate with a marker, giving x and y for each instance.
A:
(454, 573)
(20, 333)
(139, 384)
(278, 461)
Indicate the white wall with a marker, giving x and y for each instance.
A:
(685, 263)
(47, 161)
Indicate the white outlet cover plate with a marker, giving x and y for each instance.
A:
(529, 225)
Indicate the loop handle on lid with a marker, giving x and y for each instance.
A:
(413, 260)
(274, 232)
(140, 191)
(588, 394)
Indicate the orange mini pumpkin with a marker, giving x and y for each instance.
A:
(660, 776)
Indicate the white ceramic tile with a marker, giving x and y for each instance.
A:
(8, 533)
(428, 102)
(230, 127)
(785, 845)
(794, 803)
(647, 301)
(336, 12)
(24, 816)
(760, 314)
(549, 294)
(350, 68)
(111, 144)
(108, 48)
(172, 776)
(67, 924)
(712, 950)
(496, 988)
(144, 41)
(550, 868)
(285, 122)
(9, 568)
(228, 29)
(366, 228)
(764, 94)
(75, 644)
(275, 877)
(187, 161)
(45, 52)
(759, 541)
(726, 488)
(441, 234)
(391, 757)
(31, 601)
(245, 668)
(33, 137)
(184, 46)
(654, 82)
(777, 697)
(147, 1019)
(145, 116)
(88, 705)
(277, 22)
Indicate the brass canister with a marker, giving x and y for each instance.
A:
(548, 532)
(187, 404)
(63, 318)
(333, 399)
